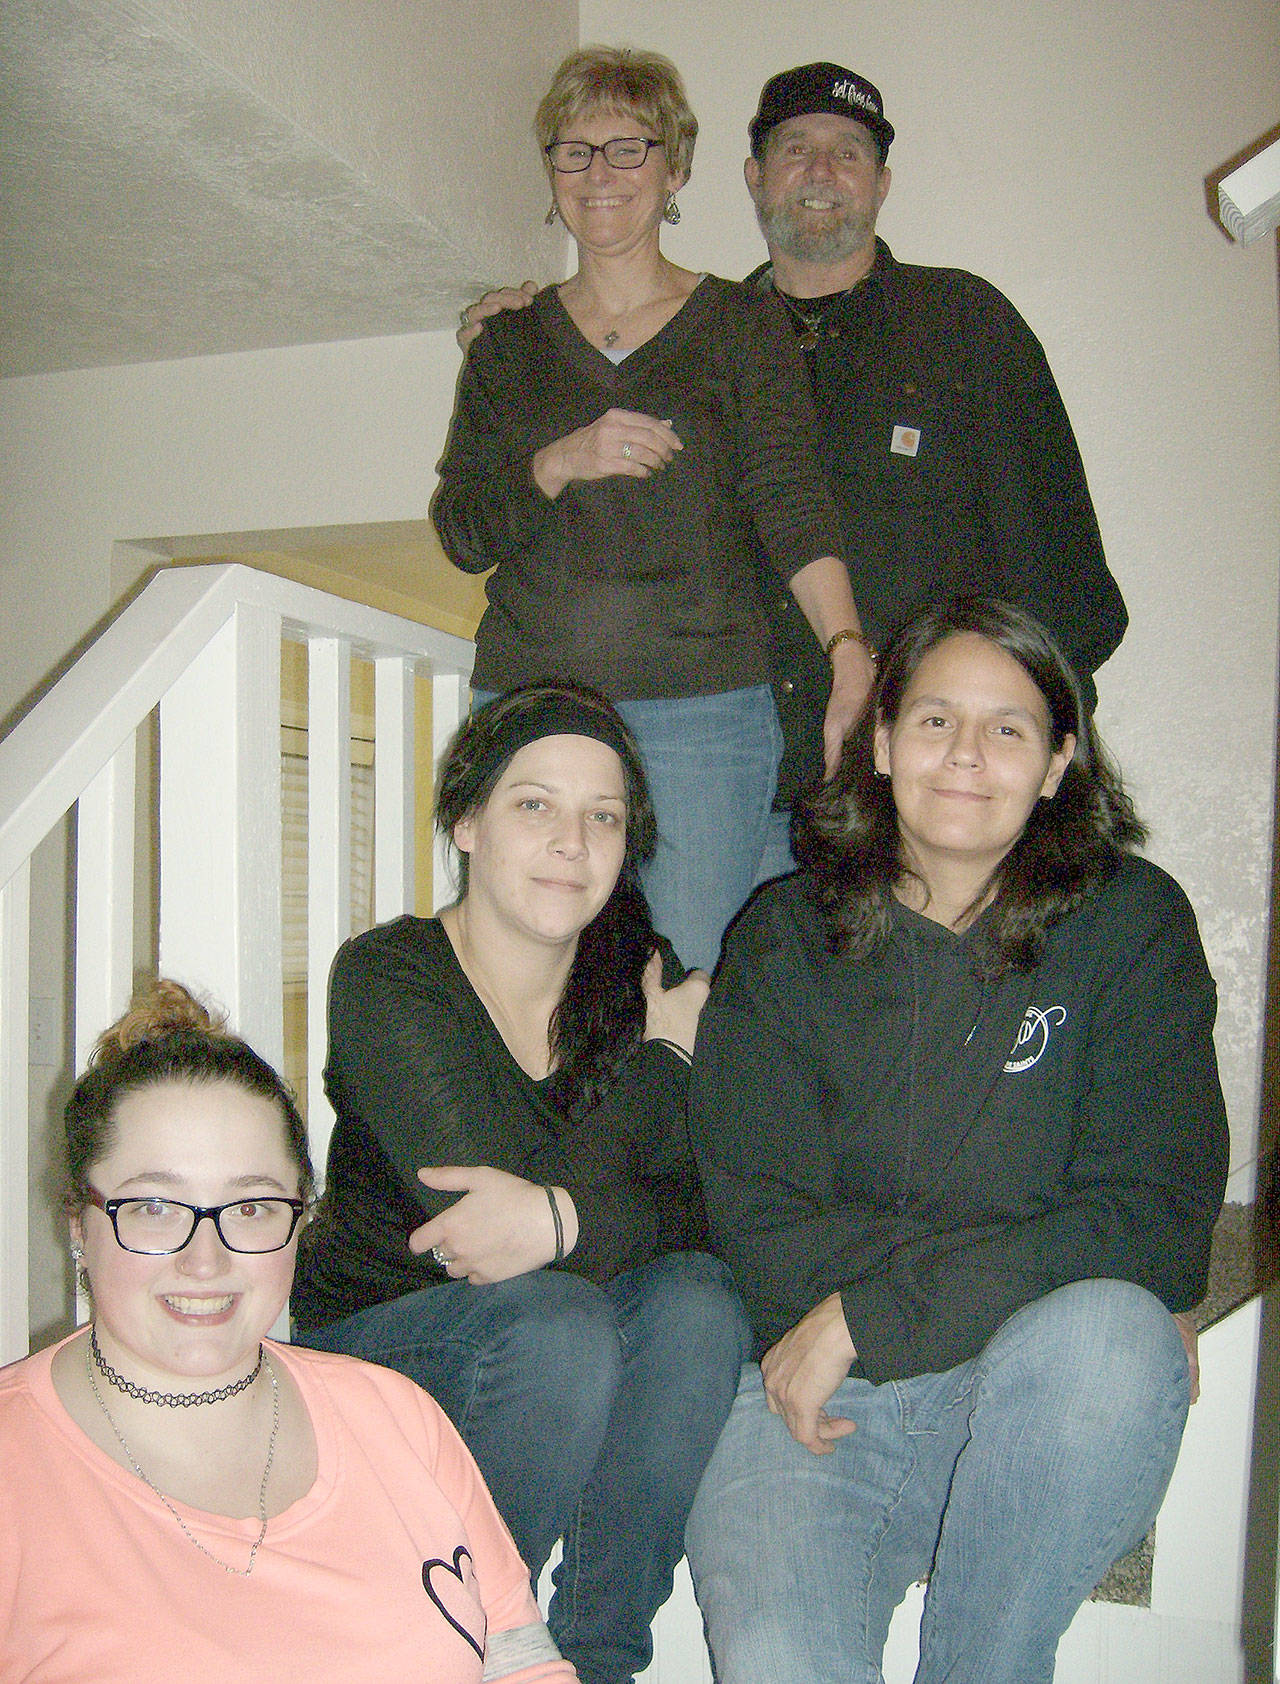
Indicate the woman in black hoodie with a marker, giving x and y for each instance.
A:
(957, 1114)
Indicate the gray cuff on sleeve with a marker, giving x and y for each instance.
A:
(512, 1651)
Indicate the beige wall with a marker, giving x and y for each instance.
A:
(1061, 151)
(311, 436)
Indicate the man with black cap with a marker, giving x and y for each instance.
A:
(942, 434)
(943, 438)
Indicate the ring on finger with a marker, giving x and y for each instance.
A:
(626, 451)
(441, 1256)
(464, 316)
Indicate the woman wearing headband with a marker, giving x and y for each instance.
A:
(511, 1215)
(182, 1497)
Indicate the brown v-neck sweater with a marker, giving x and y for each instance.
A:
(641, 587)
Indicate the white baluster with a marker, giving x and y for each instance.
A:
(393, 788)
(328, 856)
(450, 698)
(104, 898)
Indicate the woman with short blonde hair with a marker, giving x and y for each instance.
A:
(626, 453)
(647, 86)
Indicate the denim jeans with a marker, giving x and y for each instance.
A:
(591, 1412)
(777, 859)
(712, 765)
(1013, 1481)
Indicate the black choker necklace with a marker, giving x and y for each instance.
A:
(170, 1400)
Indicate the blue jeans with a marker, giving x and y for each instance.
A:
(591, 1412)
(777, 858)
(1013, 1481)
(712, 765)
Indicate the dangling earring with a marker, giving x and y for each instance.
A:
(671, 210)
(77, 1253)
(551, 215)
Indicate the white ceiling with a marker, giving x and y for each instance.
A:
(151, 206)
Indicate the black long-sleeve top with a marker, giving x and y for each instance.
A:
(418, 1075)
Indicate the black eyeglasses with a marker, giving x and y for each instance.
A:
(157, 1227)
(568, 157)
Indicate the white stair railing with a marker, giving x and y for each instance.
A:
(203, 646)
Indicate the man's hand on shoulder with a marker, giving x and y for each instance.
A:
(472, 319)
(803, 1370)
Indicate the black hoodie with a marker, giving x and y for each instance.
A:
(942, 1151)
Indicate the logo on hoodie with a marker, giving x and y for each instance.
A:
(1033, 1037)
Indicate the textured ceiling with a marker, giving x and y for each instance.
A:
(153, 207)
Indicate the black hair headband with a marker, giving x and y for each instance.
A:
(550, 716)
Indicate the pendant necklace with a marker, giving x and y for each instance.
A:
(814, 322)
(610, 339)
(93, 1357)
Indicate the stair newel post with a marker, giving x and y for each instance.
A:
(220, 830)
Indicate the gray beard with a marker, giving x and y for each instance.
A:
(831, 243)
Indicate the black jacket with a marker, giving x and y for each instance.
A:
(994, 498)
(942, 1151)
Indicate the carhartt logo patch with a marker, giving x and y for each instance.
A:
(1033, 1037)
(905, 441)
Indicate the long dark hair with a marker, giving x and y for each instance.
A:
(167, 1036)
(601, 1015)
(846, 834)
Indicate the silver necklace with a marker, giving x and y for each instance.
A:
(239, 1572)
(814, 322)
(170, 1400)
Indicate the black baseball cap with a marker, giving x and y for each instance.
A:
(820, 87)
